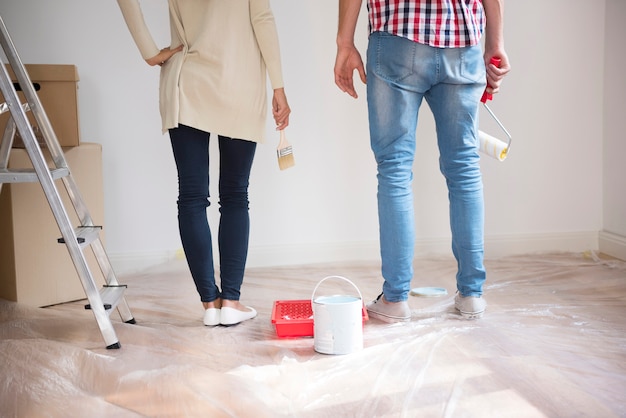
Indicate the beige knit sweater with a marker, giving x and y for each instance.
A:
(218, 82)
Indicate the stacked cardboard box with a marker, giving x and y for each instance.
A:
(57, 89)
(34, 268)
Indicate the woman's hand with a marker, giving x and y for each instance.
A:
(280, 109)
(163, 55)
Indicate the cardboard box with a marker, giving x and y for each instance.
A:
(57, 88)
(34, 268)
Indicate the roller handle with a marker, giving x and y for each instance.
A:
(488, 96)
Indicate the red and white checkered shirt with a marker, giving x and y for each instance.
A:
(438, 23)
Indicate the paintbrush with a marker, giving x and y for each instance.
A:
(284, 152)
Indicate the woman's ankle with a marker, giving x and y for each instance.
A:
(216, 304)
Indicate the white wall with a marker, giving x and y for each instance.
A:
(546, 196)
(613, 235)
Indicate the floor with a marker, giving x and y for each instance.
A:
(552, 344)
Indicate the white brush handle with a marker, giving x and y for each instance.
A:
(283, 140)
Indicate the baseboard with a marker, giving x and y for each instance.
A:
(514, 244)
(297, 254)
(495, 246)
(612, 244)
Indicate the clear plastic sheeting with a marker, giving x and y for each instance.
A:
(552, 344)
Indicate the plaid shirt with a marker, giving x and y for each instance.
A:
(438, 23)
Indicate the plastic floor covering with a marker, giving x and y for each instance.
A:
(551, 344)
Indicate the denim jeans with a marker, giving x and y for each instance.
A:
(191, 153)
(400, 73)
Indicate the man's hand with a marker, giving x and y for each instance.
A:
(495, 74)
(348, 59)
(494, 44)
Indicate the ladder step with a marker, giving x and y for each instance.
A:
(28, 175)
(85, 235)
(111, 296)
(4, 107)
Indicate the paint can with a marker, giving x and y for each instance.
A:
(337, 321)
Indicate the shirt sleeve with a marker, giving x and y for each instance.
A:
(264, 27)
(131, 10)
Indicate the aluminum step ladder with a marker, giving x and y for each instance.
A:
(77, 240)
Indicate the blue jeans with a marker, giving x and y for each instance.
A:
(191, 153)
(400, 73)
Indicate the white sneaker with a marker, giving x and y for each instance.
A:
(471, 307)
(389, 312)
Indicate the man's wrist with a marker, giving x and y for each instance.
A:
(343, 42)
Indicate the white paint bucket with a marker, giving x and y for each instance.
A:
(337, 321)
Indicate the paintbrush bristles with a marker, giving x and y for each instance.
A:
(285, 158)
(284, 152)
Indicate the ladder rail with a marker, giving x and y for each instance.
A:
(43, 122)
(5, 146)
(45, 177)
(7, 143)
(111, 280)
(52, 194)
(32, 147)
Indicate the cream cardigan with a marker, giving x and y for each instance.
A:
(218, 82)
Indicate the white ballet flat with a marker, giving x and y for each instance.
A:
(232, 316)
(212, 317)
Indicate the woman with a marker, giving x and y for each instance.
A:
(213, 80)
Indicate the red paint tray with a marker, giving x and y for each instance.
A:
(294, 318)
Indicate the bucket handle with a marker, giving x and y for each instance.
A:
(332, 277)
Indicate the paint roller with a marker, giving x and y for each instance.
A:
(491, 145)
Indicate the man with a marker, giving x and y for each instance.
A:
(425, 49)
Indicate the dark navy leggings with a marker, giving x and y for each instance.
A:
(191, 153)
